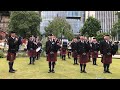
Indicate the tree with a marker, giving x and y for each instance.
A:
(25, 23)
(116, 27)
(59, 26)
(90, 27)
(100, 36)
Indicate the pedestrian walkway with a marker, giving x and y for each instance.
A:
(115, 56)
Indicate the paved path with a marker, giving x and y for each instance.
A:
(115, 56)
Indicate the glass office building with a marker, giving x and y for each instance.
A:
(107, 19)
(74, 18)
(49, 16)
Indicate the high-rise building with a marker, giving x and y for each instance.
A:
(49, 16)
(74, 18)
(89, 13)
(107, 19)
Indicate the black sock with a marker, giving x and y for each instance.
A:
(30, 60)
(10, 66)
(105, 67)
(64, 57)
(49, 66)
(81, 66)
(95, 61)
(74, 60)
(53, 65)
(84, 67)
(108, 67)
(34, 59)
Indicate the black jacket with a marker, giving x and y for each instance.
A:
(74, 46)
(94, 46)
(82, 47)
(107, 48)
(31, 45)
(13, 45)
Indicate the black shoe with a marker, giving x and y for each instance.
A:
(108, 72)
(53, 71)
(77, 64)
(81, 71)
(14, 70)
(84, 71)
(29, 63)
(96, 64)
(74, 64)
(105, 72)
(49, 71)
(10, 71)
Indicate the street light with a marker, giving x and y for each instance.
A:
(62, 32)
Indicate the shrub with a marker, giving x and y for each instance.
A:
(22, 54)
(2, 54)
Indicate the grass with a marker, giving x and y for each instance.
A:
(64, 70)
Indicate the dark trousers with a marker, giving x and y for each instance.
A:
(63, 57)
(51, 66)
(82, 67)
(75, 60)
(94, 61)
(106, 67)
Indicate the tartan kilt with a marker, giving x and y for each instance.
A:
(107, 59)
(32, 53)
(11, 56)
(94, 55)
(53, 59)
(89, 56)
(83, 58)
(64, 52)
(74, 54)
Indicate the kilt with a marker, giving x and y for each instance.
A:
(74, 54)
(32, 53)
(107, 59)
(94, 55)
(89, 56)
(11, 56)
(54, 58)
(63, 52)
(83, 58)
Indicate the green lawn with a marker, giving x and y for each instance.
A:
(64, 70)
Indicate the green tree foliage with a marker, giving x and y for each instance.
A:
(100, 36)
(116, 27)
(91, 27)
(25, 23)
(59, 25)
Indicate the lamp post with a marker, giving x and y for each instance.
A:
(62, 32)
